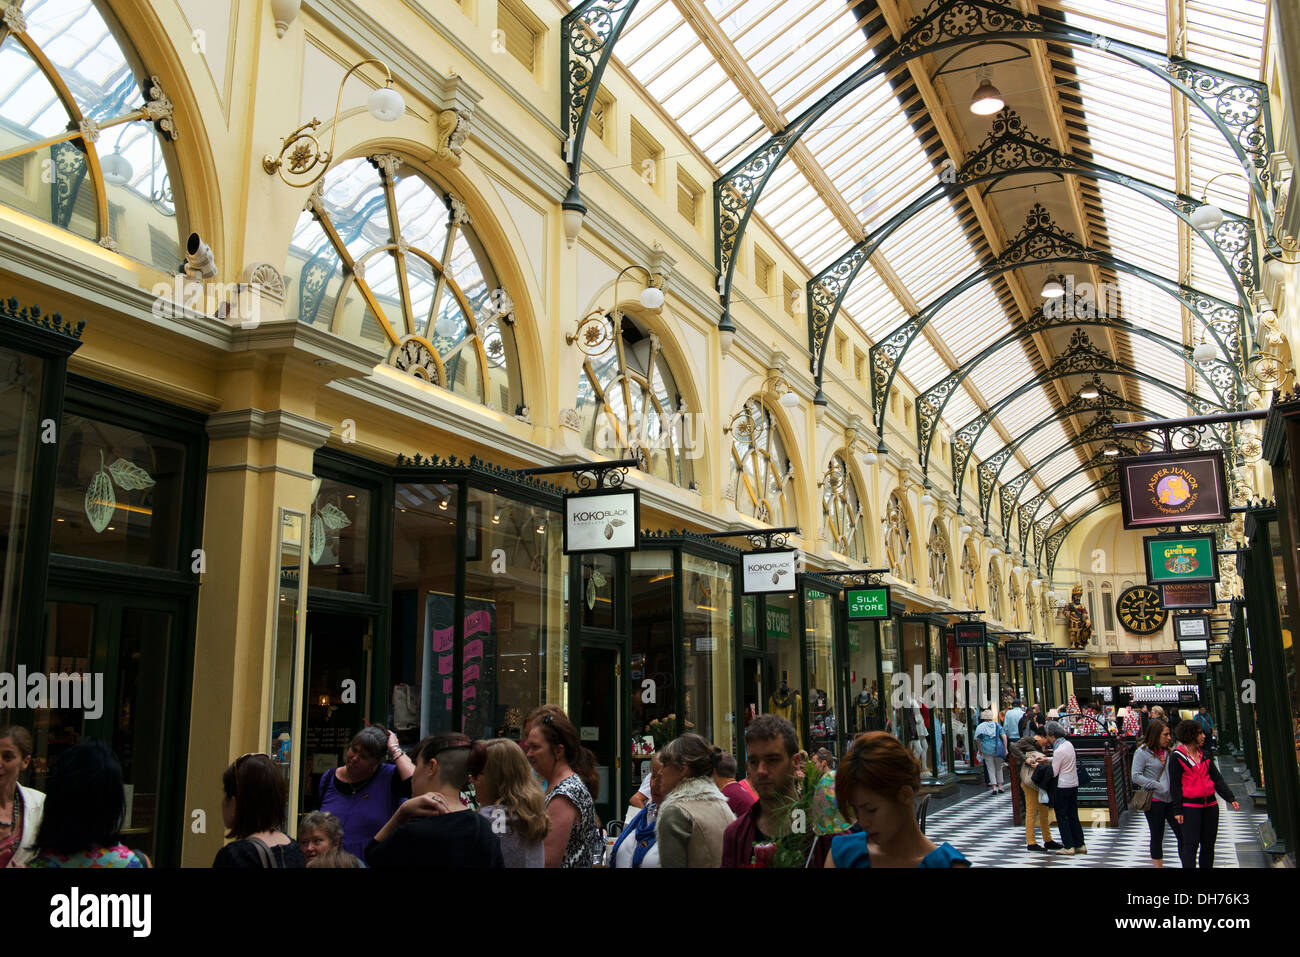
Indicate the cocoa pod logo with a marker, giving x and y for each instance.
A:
(609, 528)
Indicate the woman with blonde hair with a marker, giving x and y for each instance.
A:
(510, 797)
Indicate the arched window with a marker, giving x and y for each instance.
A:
(995, 591)
(384, 258)
(629, 405)
(898, 540)
(68, 75)
(761, 472)
(843, 511)
(970, 568)
(1013, 596)
(937, 548)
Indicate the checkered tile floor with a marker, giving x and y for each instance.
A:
(980, 827)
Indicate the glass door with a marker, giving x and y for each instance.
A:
(335, 704)
(125, 650)
(599, 721)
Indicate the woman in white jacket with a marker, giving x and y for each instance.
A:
(20, 807)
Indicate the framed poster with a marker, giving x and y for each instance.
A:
(769, 570)
(868, 604)
(602, 521)
(1187, 595)
(1179, 488)
(1180, 558)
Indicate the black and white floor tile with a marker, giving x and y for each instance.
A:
(981, 828)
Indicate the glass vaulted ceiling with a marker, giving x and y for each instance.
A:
(879, 148)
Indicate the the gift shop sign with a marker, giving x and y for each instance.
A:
(602, 521)
(868, 604)
(1181, 488)
(1180, 558)
(770, 571)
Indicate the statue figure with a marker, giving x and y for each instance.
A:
(1076, 620)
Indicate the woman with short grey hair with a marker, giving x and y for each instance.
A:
(1066, 799)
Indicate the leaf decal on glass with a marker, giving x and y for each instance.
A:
(334, 517)
(130, 476)
(591, 593)
(316, 547)
(100, 500)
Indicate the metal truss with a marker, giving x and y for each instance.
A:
(1081, 357)
(1012, 150)
(1236, 105)
(1057, 538)
(1224, 379)
(1026, 513)
(1042, 241)
(588, 33)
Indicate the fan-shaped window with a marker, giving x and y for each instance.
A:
(937, 548)
(898, 540)
(843, 512)
(995, 592)
(383, 258)
(761, 472)
(970, 569)
(629, 405)
(85, 131)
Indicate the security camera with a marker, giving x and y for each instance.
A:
(199, 263)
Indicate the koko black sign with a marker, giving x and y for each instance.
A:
(1181, 488)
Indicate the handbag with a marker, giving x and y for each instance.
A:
(1141, 800)
(1000, 746)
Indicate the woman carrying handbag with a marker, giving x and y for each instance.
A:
(1151, 775)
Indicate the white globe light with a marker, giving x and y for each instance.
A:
(870, 458)
(117, 170)
(385, 104)
(965, 530)
(1206, 217)
(652, 297)
(789, 399)
(1205, 352)
(1089, 392)
(927, 499)
(994, 552)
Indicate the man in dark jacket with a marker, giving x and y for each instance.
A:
(1029, 751)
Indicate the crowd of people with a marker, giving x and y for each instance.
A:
(455, 802)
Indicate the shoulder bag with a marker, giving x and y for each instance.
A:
(1141, 799)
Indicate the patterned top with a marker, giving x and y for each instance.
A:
(119, 855)
(584, 839)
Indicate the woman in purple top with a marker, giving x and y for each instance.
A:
(366, 790)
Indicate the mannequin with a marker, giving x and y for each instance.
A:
(789, 705)
(864, 710)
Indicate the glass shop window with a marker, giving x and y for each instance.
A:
(707, 650)
(118, 494)
(650, 630)
(340, 536)
(20, 405)
(824, 711)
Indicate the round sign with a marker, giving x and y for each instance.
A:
(1172, 490)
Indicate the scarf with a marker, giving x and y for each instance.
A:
(701, 788)
(643, 827)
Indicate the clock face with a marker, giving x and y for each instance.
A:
(1140, 611)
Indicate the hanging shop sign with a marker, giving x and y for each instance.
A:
(1193, 627)
(769, 571)
(1188, 697)
(601, 521)
(1180, 488)
(970, 634)
(1018, 650)
(1081, 670)
(868, 604)
(1145, 659)
(1187, 595)
(1044, 656)
(1180, 558)
(1060, 659)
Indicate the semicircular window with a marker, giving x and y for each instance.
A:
(85, 131)
(384, 258)
(629, 405)
(761, 472)
(843, 511)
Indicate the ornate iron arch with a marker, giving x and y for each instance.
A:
(1011, 150)
(1042, 241)
(1080, 357)
(1057, 538)
(1219, 375)
(1026, 513)
(1108, 484)
(1236, 105)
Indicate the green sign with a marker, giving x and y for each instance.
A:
(866, 604)
(1180, 558)
(778, 622)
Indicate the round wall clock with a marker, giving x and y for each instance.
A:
(1140, 611)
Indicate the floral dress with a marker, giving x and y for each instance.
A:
(584, 839)
(97, 856)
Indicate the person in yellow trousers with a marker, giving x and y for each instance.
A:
(1029, 751)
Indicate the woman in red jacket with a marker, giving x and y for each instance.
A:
(1194, 779)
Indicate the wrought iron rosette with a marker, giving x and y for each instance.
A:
(1265, 372)
(300, 155)
(595, 334)
(598, 477)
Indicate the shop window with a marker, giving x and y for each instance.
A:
(339, 537)
(119, 494)
(937, 548)
(383, 258)
(749, 621)
(824, 707)
(599, 599)
(842, 510)
(72, 65)
(629, 405)
(865, 706)
(898, 540)
(21, 380)
(761, 473)
(784, 673)
(707, 645)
